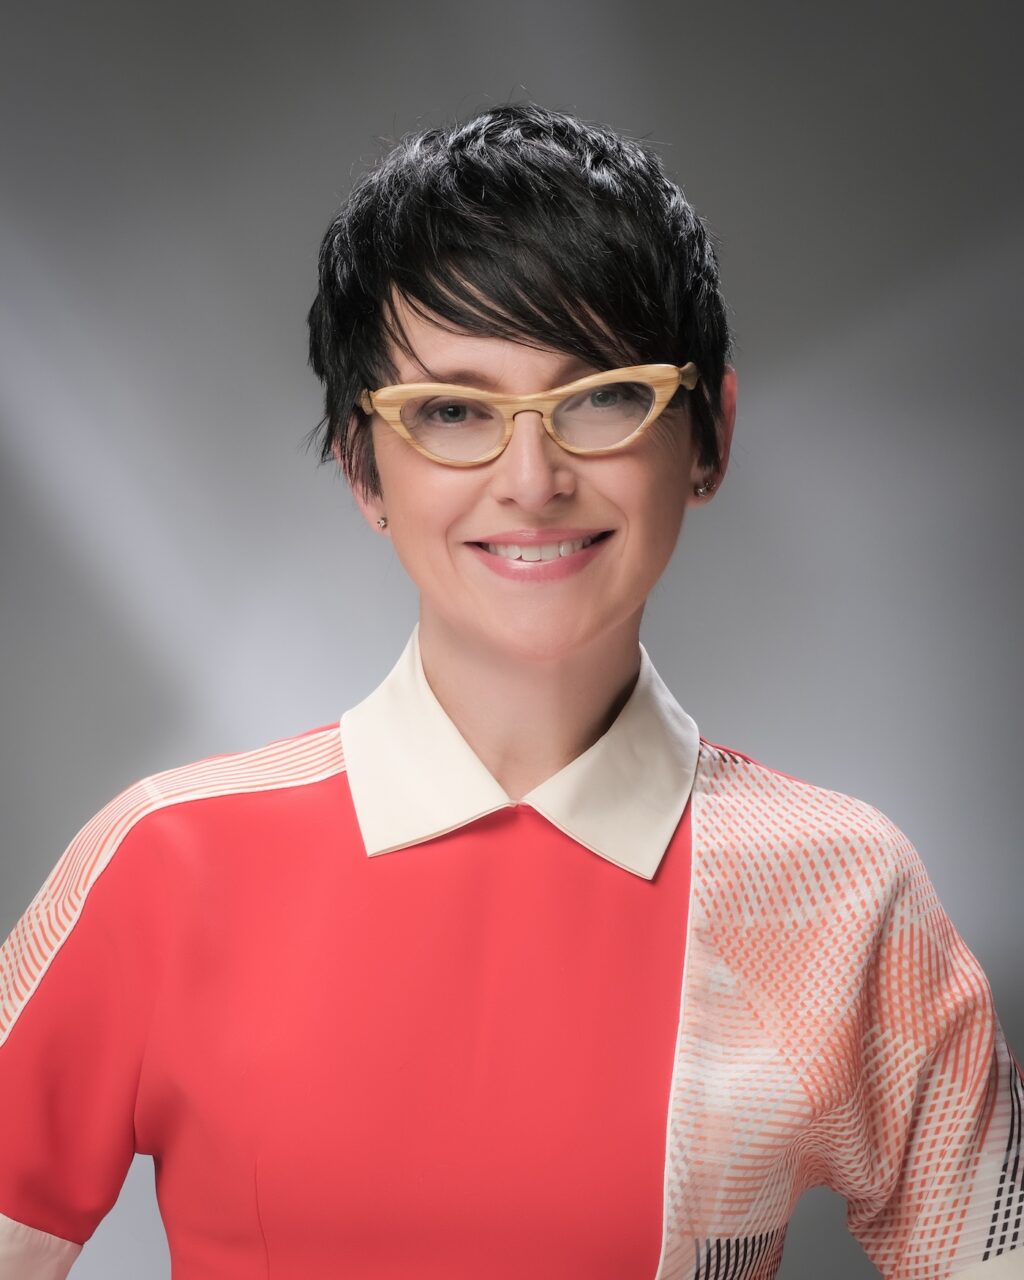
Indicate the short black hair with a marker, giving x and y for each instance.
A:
(521, 223)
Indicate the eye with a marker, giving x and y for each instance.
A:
(452, 412)
(605, 397)
(445, 413)
(614, 395)
(448, 411)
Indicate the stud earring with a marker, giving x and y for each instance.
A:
(382, 523)
(702, 490)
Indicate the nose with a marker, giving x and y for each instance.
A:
(533, 468)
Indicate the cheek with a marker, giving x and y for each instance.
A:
(398, 464)
(421, 498)
(388, 448)
(671, 439)
(670, 461)
(664, 498)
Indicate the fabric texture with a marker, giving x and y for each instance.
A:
(837, 1031)
(832, 1027)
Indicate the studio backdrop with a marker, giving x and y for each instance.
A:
(180, 577)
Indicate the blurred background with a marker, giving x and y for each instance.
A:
(180, 577)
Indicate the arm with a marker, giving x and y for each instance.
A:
(74, 981)
(938, 1102)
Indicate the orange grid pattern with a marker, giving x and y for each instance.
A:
(835, 1030)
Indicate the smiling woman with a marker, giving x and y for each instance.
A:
(508, 971)
(509, 638)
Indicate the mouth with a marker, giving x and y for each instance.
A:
(546, 551)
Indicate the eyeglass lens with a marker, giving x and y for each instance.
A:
(462, 429)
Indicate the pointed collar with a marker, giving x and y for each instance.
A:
(413, 776)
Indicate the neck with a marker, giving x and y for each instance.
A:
(528, 711)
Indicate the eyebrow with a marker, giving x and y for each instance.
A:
(477, 378)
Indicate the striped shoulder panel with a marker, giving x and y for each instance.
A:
(25, 956)
(797, 884)
(786, 879)
(752, 811)
(798, 893)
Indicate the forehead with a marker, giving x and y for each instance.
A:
(439, 354)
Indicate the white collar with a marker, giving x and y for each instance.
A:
(413, 776)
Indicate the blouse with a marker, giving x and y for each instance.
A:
(613, 1030)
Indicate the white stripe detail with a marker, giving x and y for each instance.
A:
(53, 912)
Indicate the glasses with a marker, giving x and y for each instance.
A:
(463, 427)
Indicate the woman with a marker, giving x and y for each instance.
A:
(508, 972)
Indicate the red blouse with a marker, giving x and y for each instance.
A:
(375, 1066)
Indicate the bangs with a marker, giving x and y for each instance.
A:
(518, 300)
(561, 265)
(525, 225)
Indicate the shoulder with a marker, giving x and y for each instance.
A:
(191, 795)
(811, 849)
(294, 761)
(803, 893)
(285, 763)
(111, 872)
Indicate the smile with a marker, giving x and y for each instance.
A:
(543, 563)
(545, 551)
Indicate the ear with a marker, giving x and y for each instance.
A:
(372, 508)
(726, 423)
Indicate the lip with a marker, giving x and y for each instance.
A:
(538, 537)
(540, 570)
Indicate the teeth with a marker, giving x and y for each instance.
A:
(549, 551)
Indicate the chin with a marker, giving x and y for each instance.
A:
(545, 637)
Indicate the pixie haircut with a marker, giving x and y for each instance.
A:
(524, 224)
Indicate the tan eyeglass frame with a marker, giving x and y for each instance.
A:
(665, 379)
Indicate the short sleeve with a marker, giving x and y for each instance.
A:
(938, 1102)
(74, 981)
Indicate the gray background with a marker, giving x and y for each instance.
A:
(179, 579)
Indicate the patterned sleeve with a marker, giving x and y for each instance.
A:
(75, 984)
(938, 1101)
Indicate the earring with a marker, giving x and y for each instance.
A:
(382, 523)
(702, 490)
